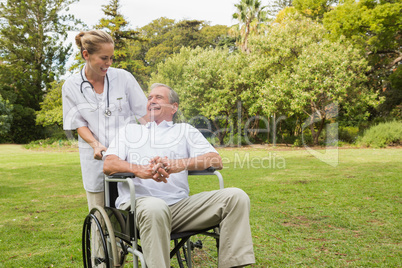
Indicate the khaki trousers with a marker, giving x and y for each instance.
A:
(229, 208)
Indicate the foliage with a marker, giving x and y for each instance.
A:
(32, 53)
(207, 83)
(23, 129)
(116, 25)
(382, 135)
(6, 117)
(392, 106)
(51, 112)
(164, 37)
(307, 74)
(292, 70)
(250, 14)
(314, 9)
(348, 134)
(32, 46)
(284, 14)
(376, 27)
(184, 33)
(52, 143)
(276, 6)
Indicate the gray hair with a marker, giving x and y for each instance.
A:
(173, 96)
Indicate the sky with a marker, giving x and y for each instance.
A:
(140, 13)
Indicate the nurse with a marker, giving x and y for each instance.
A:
(97, 101)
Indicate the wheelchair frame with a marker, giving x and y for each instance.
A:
(118, 235)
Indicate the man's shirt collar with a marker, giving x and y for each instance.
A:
(164, 123)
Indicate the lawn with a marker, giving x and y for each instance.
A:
(305, 213)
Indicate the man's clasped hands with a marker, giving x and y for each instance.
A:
(161, 168)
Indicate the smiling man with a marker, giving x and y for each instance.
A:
(160, 155)
(162, 104)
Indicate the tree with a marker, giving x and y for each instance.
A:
(284, 14)
(124, 56)
(186, 33)
(278, 5)
(209, 85)
(392, 106)
(51, 112)
(217, 36)
(31, 44)
(250, 14)
(314, 9)
(33, 54)
(164, 37)
(6, 117)
(376, 28)
(117, 26)
(306, 73)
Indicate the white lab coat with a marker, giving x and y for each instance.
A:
(127, 102)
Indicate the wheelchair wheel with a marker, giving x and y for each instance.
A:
(203, 250)
(99, 247)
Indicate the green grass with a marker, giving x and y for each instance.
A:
(304, 212)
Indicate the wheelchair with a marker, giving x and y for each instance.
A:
(109, 234)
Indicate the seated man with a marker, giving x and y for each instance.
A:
(160, 154)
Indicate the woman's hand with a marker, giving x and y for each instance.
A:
(87, 136)
(98, 151)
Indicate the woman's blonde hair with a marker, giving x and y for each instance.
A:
(91, 41)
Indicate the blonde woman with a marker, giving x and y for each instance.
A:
(97, 101)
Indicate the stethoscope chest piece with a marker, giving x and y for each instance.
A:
(108, 113)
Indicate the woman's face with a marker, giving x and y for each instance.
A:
(100, 61)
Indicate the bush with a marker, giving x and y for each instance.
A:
(23, 128)
(52, 143)
(382, 135)
(348, 134)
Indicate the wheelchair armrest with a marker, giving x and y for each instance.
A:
(209, 171)
(122, 175)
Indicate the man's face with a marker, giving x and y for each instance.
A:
(159, 108)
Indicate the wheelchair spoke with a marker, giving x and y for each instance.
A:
(204, 252)
(98, 243)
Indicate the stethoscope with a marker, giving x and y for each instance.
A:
(107, 110)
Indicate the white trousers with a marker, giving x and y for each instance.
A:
(229, 208)
(95, 199)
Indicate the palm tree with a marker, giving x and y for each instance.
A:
(250, 14)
